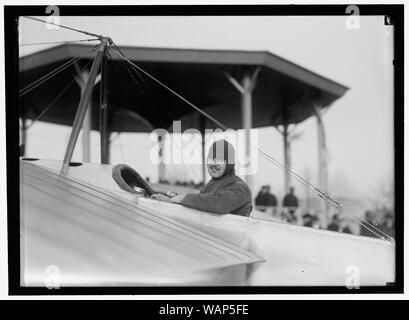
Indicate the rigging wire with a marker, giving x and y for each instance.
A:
(125, 95)
(51, 74)
(57, 42)
(122, 85)
(376, 231)
(63, 26)
(320, 193)
(157, 100)
(149, 89)
(47, 76)
(308, 184)
(143, 92)
(125, 66)
(56, 98)
(118, 133)
(224, 127)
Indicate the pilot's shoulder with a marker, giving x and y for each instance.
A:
(238, 182)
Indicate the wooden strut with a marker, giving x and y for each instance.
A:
(103, 116)
(81, 80)
(82, 107)
(245, 86)
(322, 160)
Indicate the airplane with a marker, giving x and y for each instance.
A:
(86, 224)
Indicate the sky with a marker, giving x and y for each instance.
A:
(359, 126)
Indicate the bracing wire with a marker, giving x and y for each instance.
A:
(56, 98)
(157, 99)
(320, 193)
(376, 231)
(153, 95)
(63, 26)
(49, 75)
(57, 42)
(143, 92)
(306, 183)
(224, 127)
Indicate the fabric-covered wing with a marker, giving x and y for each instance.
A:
(86, 236)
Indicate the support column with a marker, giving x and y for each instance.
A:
(245, 86)
(308, 191)
(161, 154)
(202, 127)
(287, 158)
(287, 137)
(247, 117)
(322, 161)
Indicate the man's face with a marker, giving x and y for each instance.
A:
(216, 167)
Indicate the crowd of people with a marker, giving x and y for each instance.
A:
(382, 220)
(265, 200)
(376, 223)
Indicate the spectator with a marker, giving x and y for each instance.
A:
(265, 198)
(370, 223)
(388, 225)
(291, 202)
(334, 225)
(316, 222)
(344, 226)
(307, 220)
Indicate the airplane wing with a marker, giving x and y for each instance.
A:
(83, 235)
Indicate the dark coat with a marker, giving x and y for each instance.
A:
(388, 229)
(266, 199)
(290, 200)
(366, 231)
(333, 226)
(228, 194)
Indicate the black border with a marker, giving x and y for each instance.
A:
(150, 309)
(11, 14)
